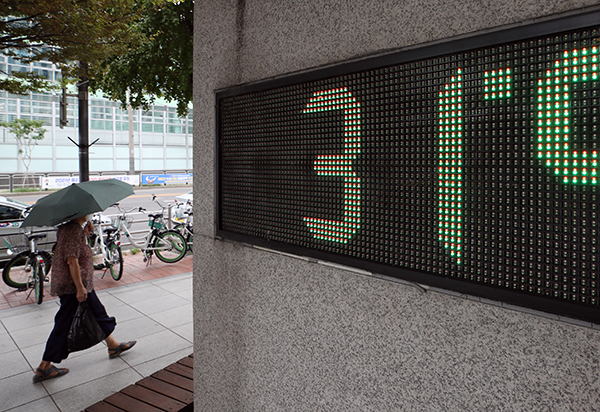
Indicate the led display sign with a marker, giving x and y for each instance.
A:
(470, 165)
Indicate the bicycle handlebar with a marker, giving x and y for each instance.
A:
(127, 211)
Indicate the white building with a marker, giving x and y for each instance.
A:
(163, 141)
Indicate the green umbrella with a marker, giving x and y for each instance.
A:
(77, 200)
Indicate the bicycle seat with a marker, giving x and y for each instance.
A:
(36, 236)
(157, 215)
(110, 230)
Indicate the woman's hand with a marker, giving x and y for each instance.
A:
(81, 294)
(74, 269)
(89, 228)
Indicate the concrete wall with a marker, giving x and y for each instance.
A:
(278, 333)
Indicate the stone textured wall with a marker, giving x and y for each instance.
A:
(278, 333)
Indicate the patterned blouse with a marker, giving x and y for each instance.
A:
(71, 242)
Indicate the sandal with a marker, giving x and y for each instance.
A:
(48, 373)
(120, 349)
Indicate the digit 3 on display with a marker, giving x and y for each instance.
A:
(470, 165)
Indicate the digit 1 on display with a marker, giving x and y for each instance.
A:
(450, 135)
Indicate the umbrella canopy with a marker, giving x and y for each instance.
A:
(77, 200)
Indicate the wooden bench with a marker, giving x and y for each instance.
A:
(170, 389)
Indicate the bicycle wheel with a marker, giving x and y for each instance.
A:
(188, 235)
(115, 261)
(39, 275)
(171, 246)
(16, 273)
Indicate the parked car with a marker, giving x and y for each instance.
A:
(12, 213)
(185, 197)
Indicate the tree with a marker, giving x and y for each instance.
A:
(65, 32)
(28, 133)
(159, 66)
(142, 45)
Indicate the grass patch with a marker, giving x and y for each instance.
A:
(26, 189)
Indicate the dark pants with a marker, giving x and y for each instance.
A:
(56, 346)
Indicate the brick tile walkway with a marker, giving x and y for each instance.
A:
(134, 270)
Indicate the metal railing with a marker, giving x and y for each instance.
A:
(11, 182)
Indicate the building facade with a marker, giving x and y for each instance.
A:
(163, 141)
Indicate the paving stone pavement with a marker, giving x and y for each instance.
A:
(152, 304)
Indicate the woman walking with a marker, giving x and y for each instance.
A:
(73, 282)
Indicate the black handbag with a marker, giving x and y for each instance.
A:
(85, 331)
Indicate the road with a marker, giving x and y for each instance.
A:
(142, 197)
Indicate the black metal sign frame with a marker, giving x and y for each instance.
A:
(468, 165)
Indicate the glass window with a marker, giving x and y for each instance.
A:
(43, 64)
(44, 97)
(173, 129)
(96, 113)
(8, 213)
(46, 120)
(124, 126)
(41, 107)
(25, 107)
(13, 68)
(44, 73)
(101, 113)
(173, 119)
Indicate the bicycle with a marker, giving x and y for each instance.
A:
(106, 244)
(29, 267)
(186, 228)
(168, 245)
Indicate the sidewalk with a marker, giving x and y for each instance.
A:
(153, 305)
(134, 271)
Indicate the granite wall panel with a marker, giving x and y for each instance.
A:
(276, 333)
